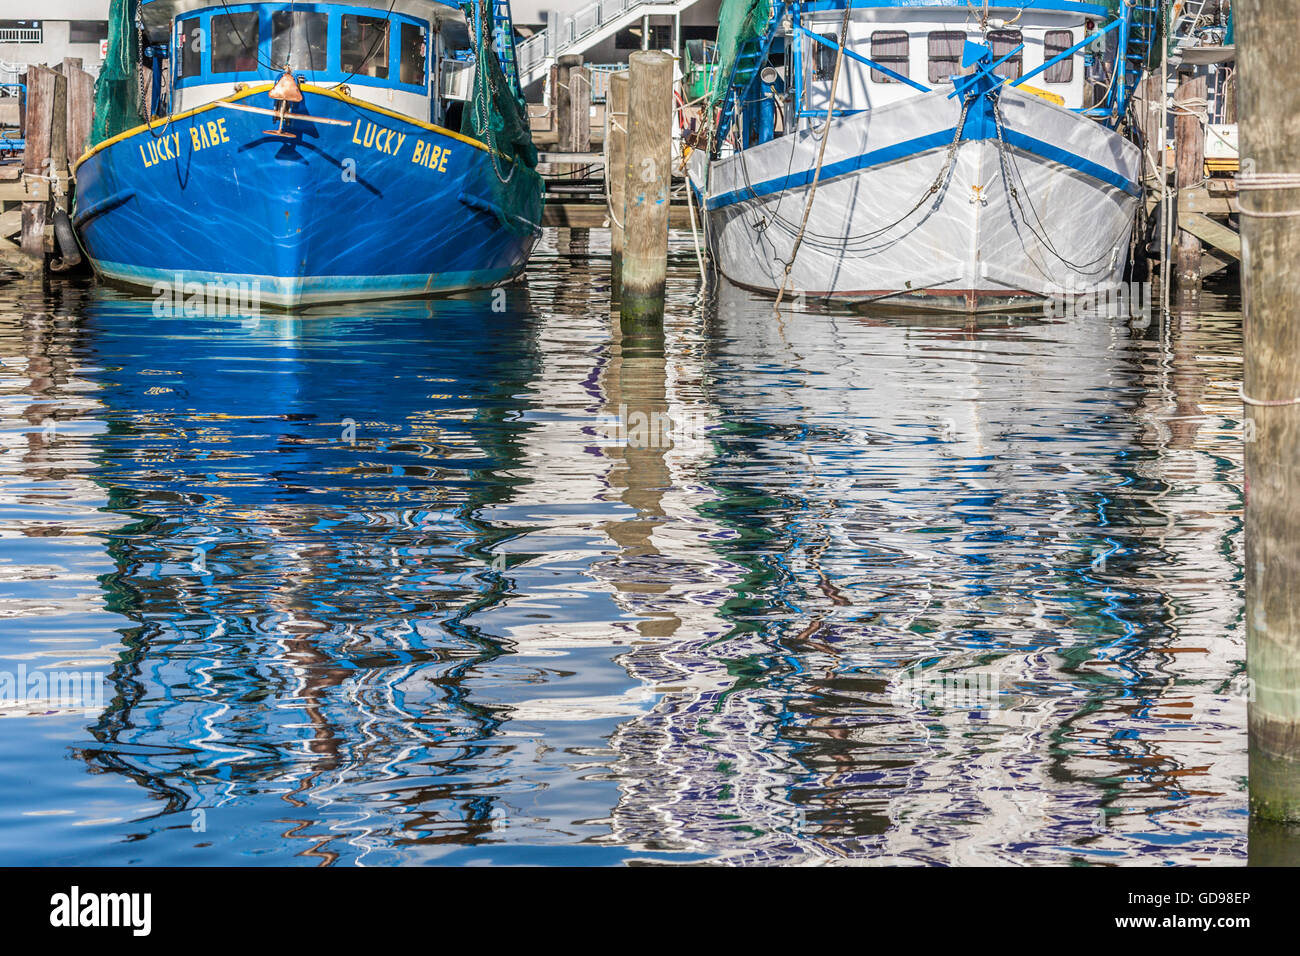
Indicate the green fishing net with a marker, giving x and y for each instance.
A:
(739, 21)
(496, 117)
(119, 102)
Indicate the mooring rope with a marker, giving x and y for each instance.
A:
(1266, 402)
(821, 153)
(1248, 181)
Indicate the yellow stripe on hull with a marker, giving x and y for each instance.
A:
(262, 88)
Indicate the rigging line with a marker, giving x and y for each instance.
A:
(821, 152)
(388, 17)
(257, 56)
(1005, 158)
(1005, 154)
(829, 241)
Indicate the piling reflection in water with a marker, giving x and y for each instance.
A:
(449, 582)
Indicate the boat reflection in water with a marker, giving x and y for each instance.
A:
(437, 582)
(301, 550)
(991, 630)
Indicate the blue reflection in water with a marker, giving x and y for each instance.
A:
(451, 582)
(302, 552)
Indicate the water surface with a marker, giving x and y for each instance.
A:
(502, 580)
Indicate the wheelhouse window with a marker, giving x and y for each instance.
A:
(299, 39)
(412, 55)
(364, 43)
(945, 54)
(1055, 43)
(1003, 42)
(824, 57)
(890, 48)
(234, 42)
(189, 37)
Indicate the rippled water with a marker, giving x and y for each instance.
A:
(503, 581)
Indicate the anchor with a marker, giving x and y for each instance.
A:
(285, 92)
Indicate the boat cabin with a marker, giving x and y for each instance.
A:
(410, 56)
(915, 46)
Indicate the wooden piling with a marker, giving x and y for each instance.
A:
(648, 182)
(1149, 107)
(616, 156)
(45, 155)
(579, 139)
(564, 100)
(1189, 162)
(81, 110)
(1268, 100)
(580, 109)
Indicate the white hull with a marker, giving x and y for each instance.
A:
(876, 232)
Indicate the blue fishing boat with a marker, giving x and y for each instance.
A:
(317, 151)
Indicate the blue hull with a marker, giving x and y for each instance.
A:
(380, 207)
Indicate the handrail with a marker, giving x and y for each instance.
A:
(853, 55)
(1090, 38)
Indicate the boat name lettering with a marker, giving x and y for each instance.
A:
(434, 157)
(373, 136)
(161, 149)
(167, 147)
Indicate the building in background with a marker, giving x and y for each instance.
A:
(44, 32)
(603, 33)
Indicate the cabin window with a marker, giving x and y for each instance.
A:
(298, 39)
(1003, 42)
(189, 37)
(824, 57)
(411, 62)
(890, 49)
(945, 54)
(234, 42)
(365, 46)
(1054, 44)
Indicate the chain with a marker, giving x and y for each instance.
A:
(139, 72)
(1015, 195)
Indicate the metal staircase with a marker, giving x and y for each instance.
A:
(1182, 32)
(1140, 39)
(583, 29)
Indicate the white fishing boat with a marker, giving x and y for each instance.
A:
(927, 152)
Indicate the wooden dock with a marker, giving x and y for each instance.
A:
(35, 194)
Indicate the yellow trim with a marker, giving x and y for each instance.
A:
(1227, 165)
(1043, 94)
(262, 88)
(333, 91)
